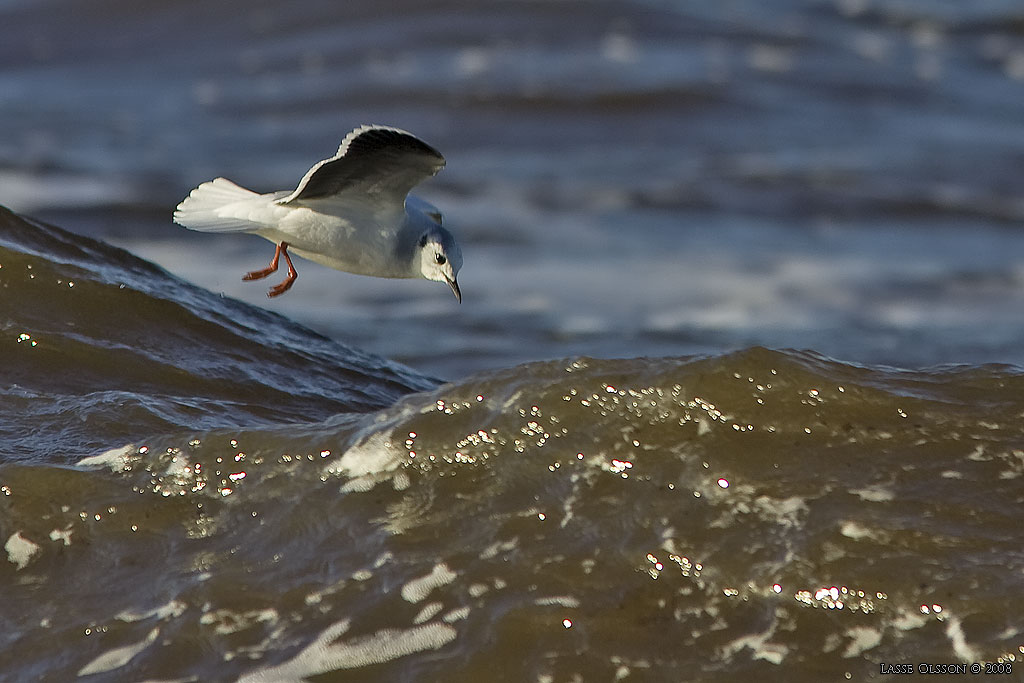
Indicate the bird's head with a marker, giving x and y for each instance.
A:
(440, 257)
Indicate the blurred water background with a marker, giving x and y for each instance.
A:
(627, 178)
(199, 483)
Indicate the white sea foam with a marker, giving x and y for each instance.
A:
(20, 550)
(457, 614)
(428, 612)
(862, 639)
(908, 621)
(560, 600)
(759, 646)
(172, 609)
(365, 461)
(225, 621)
(787, 512)
(118, 657)
(62, 535)
(115, 458)
(418, 589)
(325, 655)
(955, 633)
(874, 494)
(498, 547)
(857, 531)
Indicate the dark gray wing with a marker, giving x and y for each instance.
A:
(371, 160)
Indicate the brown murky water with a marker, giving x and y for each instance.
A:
(193, 489)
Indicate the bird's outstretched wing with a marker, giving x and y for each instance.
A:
(372, 160)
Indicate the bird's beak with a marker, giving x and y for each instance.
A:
(455, 287)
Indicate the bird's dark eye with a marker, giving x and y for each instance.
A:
(441, 260)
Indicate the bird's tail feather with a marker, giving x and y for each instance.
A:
(208, 208)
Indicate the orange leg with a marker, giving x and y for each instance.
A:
(260, 274)
(278, 290)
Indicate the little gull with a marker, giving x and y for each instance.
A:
(352, 212)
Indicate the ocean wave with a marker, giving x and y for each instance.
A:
(180, 469)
